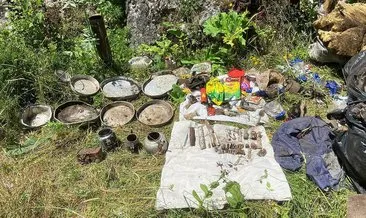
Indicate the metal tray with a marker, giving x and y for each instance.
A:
(36, 116)
(117, 114)
(159, 84)
(120, 88)
(84, 85)
(155, 113)
(76, 112)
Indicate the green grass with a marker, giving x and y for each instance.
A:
(50, 182)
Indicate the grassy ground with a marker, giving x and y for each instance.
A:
(49, 182)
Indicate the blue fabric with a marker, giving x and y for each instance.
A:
(333, 87)
(307, 137)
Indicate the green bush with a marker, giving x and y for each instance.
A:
(231, 27)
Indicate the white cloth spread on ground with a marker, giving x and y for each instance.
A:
(186, 167)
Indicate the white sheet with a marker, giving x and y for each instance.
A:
(187, 167)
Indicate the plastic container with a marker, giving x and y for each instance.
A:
(275, 110)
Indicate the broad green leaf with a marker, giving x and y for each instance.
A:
(198, 199)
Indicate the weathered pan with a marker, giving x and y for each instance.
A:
(120, 88)
(84, 85)
(117, 114)
(76, 112)
(36, 116)
(158, 85)
(155, 113)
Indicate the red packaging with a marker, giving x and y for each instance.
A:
(203, 95)
(211, 111)
(236, 73)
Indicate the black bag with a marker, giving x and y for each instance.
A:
(350, 146)
(354, 73)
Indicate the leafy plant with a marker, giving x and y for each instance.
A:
(231, 188)
(217, 59)
(230, 27)
(233, 194)
(27, 19)
(29, 145)
(177, 95)
(207, 193)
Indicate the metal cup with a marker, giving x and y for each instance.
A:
(132, 143)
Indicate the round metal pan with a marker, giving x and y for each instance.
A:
(160, 84)
(76, 112)
(120, 88)
(155, 113)
(84, 85)
(36, 116)
(118, 113)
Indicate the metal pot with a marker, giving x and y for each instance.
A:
(155, 113)
(120, 88)
(117, 114)
(156, 143)
(108, 139)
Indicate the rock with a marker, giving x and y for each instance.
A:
(329, 5)
(51, 3)
(182, 71)
(145, 16)
(204, 67)
(89, 155)
(343, 30)
(142, 62)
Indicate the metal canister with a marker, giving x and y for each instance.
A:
(132, 143)
(108, 139)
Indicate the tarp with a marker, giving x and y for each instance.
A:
(186, 167)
